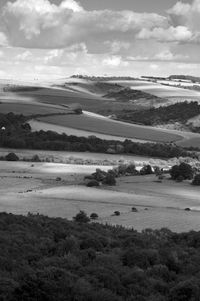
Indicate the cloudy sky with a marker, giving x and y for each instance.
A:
(58, 38)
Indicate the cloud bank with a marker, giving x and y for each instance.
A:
(66, 32)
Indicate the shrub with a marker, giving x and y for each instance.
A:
(116, 213)
(81, 217)
(35, 158)
(134, 209)
(109, 180)
(12, 157)
(146, 170)
(93, 183)
(94, 216)
(196, 180)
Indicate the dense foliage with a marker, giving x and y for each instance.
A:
(183, 171)
(18, 134)
(48, 259)
(178, 112)
(128, 94)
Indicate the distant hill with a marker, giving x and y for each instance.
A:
(128, 94)
(185, 77)
(103, 78)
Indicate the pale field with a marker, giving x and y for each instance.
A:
(39, 192)
(159, 89)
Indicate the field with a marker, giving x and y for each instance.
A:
(160, 90)
(55, 100)
(111, 127)
(82, 157)
(30, 109)
(25, 188)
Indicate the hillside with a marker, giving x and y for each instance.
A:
(178, 112)
(128, 94)
(54, 259)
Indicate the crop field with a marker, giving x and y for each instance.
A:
(65, 97)
(111, 127)
(39, 125)
(29, 109)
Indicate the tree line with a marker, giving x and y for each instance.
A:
(15, 132)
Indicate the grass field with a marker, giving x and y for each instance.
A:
(111, 127)
(35, 189)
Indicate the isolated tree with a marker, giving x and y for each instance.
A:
(81, 217)
(12, 157)
(183, 171)
(94, 216)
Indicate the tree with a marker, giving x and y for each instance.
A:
(12, 157)
(93, 183)
(81, 217)
(146, 170)
(196, 180)
(94, 216)
(109, 180)
(183, 171)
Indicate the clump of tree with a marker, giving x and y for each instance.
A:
(101, 177)
(181, 172)
(127, 94)
(178, 112)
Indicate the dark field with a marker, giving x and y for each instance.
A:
(111, 127)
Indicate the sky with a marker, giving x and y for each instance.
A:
(50, 39)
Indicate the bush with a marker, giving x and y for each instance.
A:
(93, 183)
(183, 171)
(35, 158)
(94, 216)
(134, 209)
(109, 180)
(81, 217)
(12, 157)
(146, 170)
(196, 180)
(116, 213)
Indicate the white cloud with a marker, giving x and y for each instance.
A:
(171, 34)
(41, 24)
(154, 66)
(71, 4)
(114, 61)
(23, 56)
(167, 55)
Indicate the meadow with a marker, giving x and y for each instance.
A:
(33, 187)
